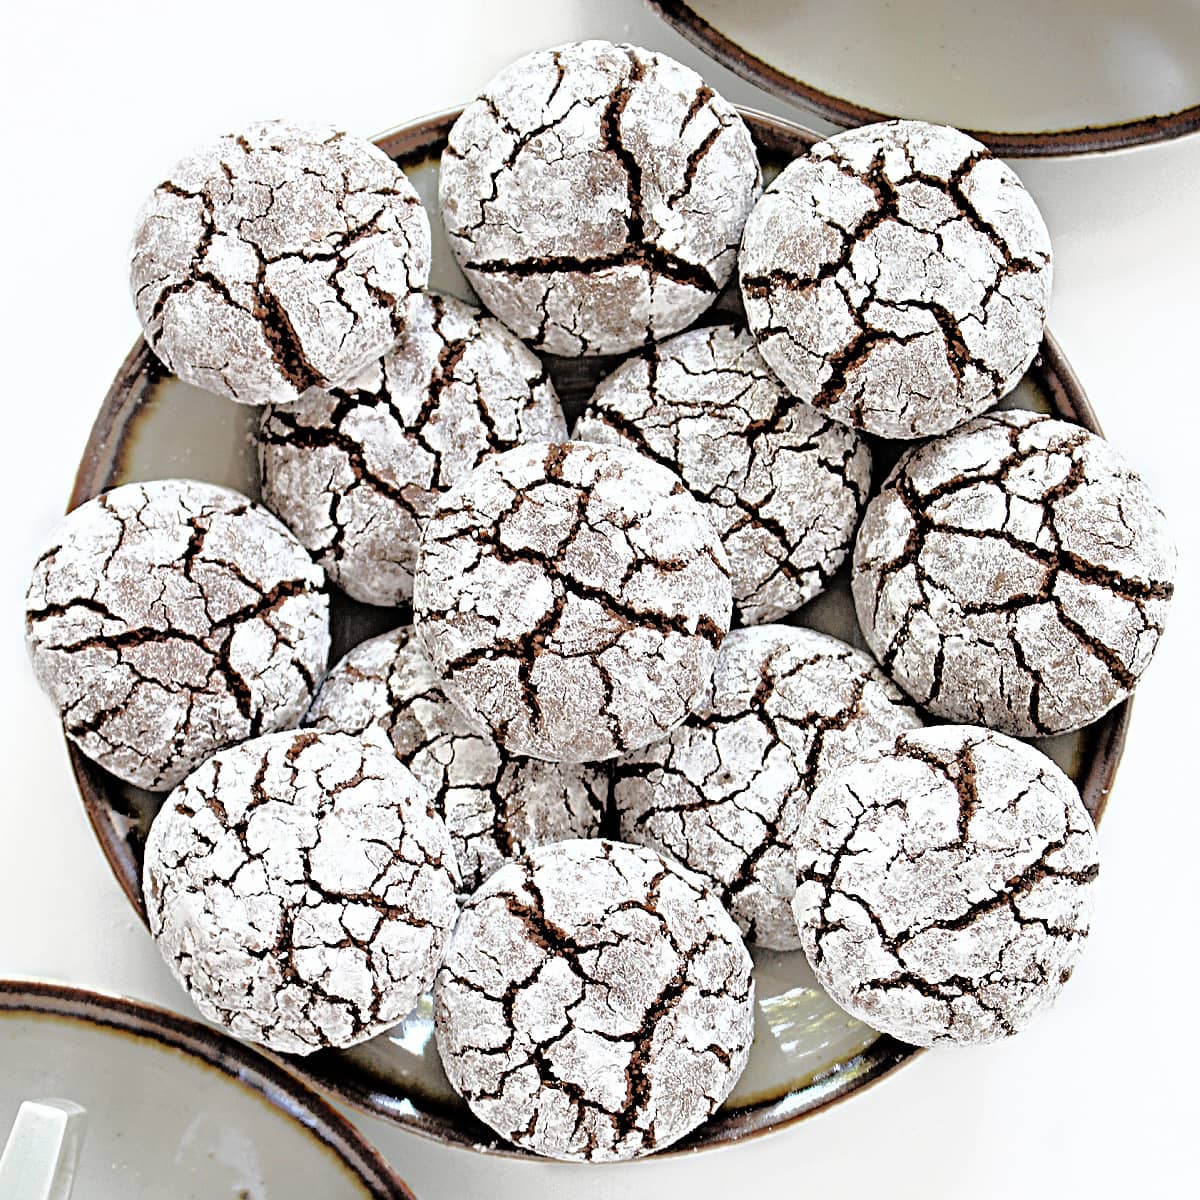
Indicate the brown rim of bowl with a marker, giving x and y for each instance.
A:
(410, 144)
(1085, 139)
(244, 1066)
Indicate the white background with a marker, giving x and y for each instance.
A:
(99, 99)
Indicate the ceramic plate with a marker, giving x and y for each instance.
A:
(1028, 77)
(807, 1052)
(174, 1108)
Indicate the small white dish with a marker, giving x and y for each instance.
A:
(176, 1109)
(1027, 77)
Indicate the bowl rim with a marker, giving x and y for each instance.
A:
(1053, 143)
(238, 1062)
(408, 144)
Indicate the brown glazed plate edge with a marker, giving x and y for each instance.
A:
(409, 144)
(1080, 140)
(241, 1064)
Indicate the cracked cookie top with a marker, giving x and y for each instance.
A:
(596, 1002)
(169, 619)
(572, 597)
(724, 793)
(278, 259)
(946, 885)
(302, 889)
(595, 195)
(355, 472)
(784, 485)
(496, 805)
(1016, 574)
(897, 278)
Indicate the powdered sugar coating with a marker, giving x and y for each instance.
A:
(784, 485)
(897, 278)
(946, 885)
(496, 805)
(595, 196)
(169, 619)
(596, 1002)
(724, 793)
(355, 472)
(572, 598)
(276, 260)
(301, 889)
(1016, 573)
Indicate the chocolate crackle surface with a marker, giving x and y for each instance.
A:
(572, 598)
(724, 792)
(169, 619)
(1015, 573)
(946, 885)
(784, 485)
(276, 260)
(596, 1002)
(496, 805)
(302, 889)
(897, 278)
(356, 472)
(595, 195)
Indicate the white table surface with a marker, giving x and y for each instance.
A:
(1097, 1098)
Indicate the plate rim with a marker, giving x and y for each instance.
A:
(1080, 140)
(409, 143)
(239, 1062)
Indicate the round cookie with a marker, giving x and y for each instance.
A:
(301, 889)
(356, 472)
(946, 885)
(897, 278)
(724, 793)
(496, 805)
(169, 619)
(1015, 574)
(596, 1002)
(785, 485)
(571, 599)
(595, 196)
(278, 259)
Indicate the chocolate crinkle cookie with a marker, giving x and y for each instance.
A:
(278, 259)
(596, 1002)
(572, 598)
(356, 472)
(302, 889)
(496, 805)
(784, 485)
(897, 278)
(1016, 574)
(724, 793)
(595, 196)
(946, 885)
(169, 619)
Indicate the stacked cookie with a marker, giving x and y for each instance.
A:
(601, 753)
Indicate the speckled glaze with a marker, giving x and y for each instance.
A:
(807, 1053)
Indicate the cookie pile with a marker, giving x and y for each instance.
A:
(600, 753)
